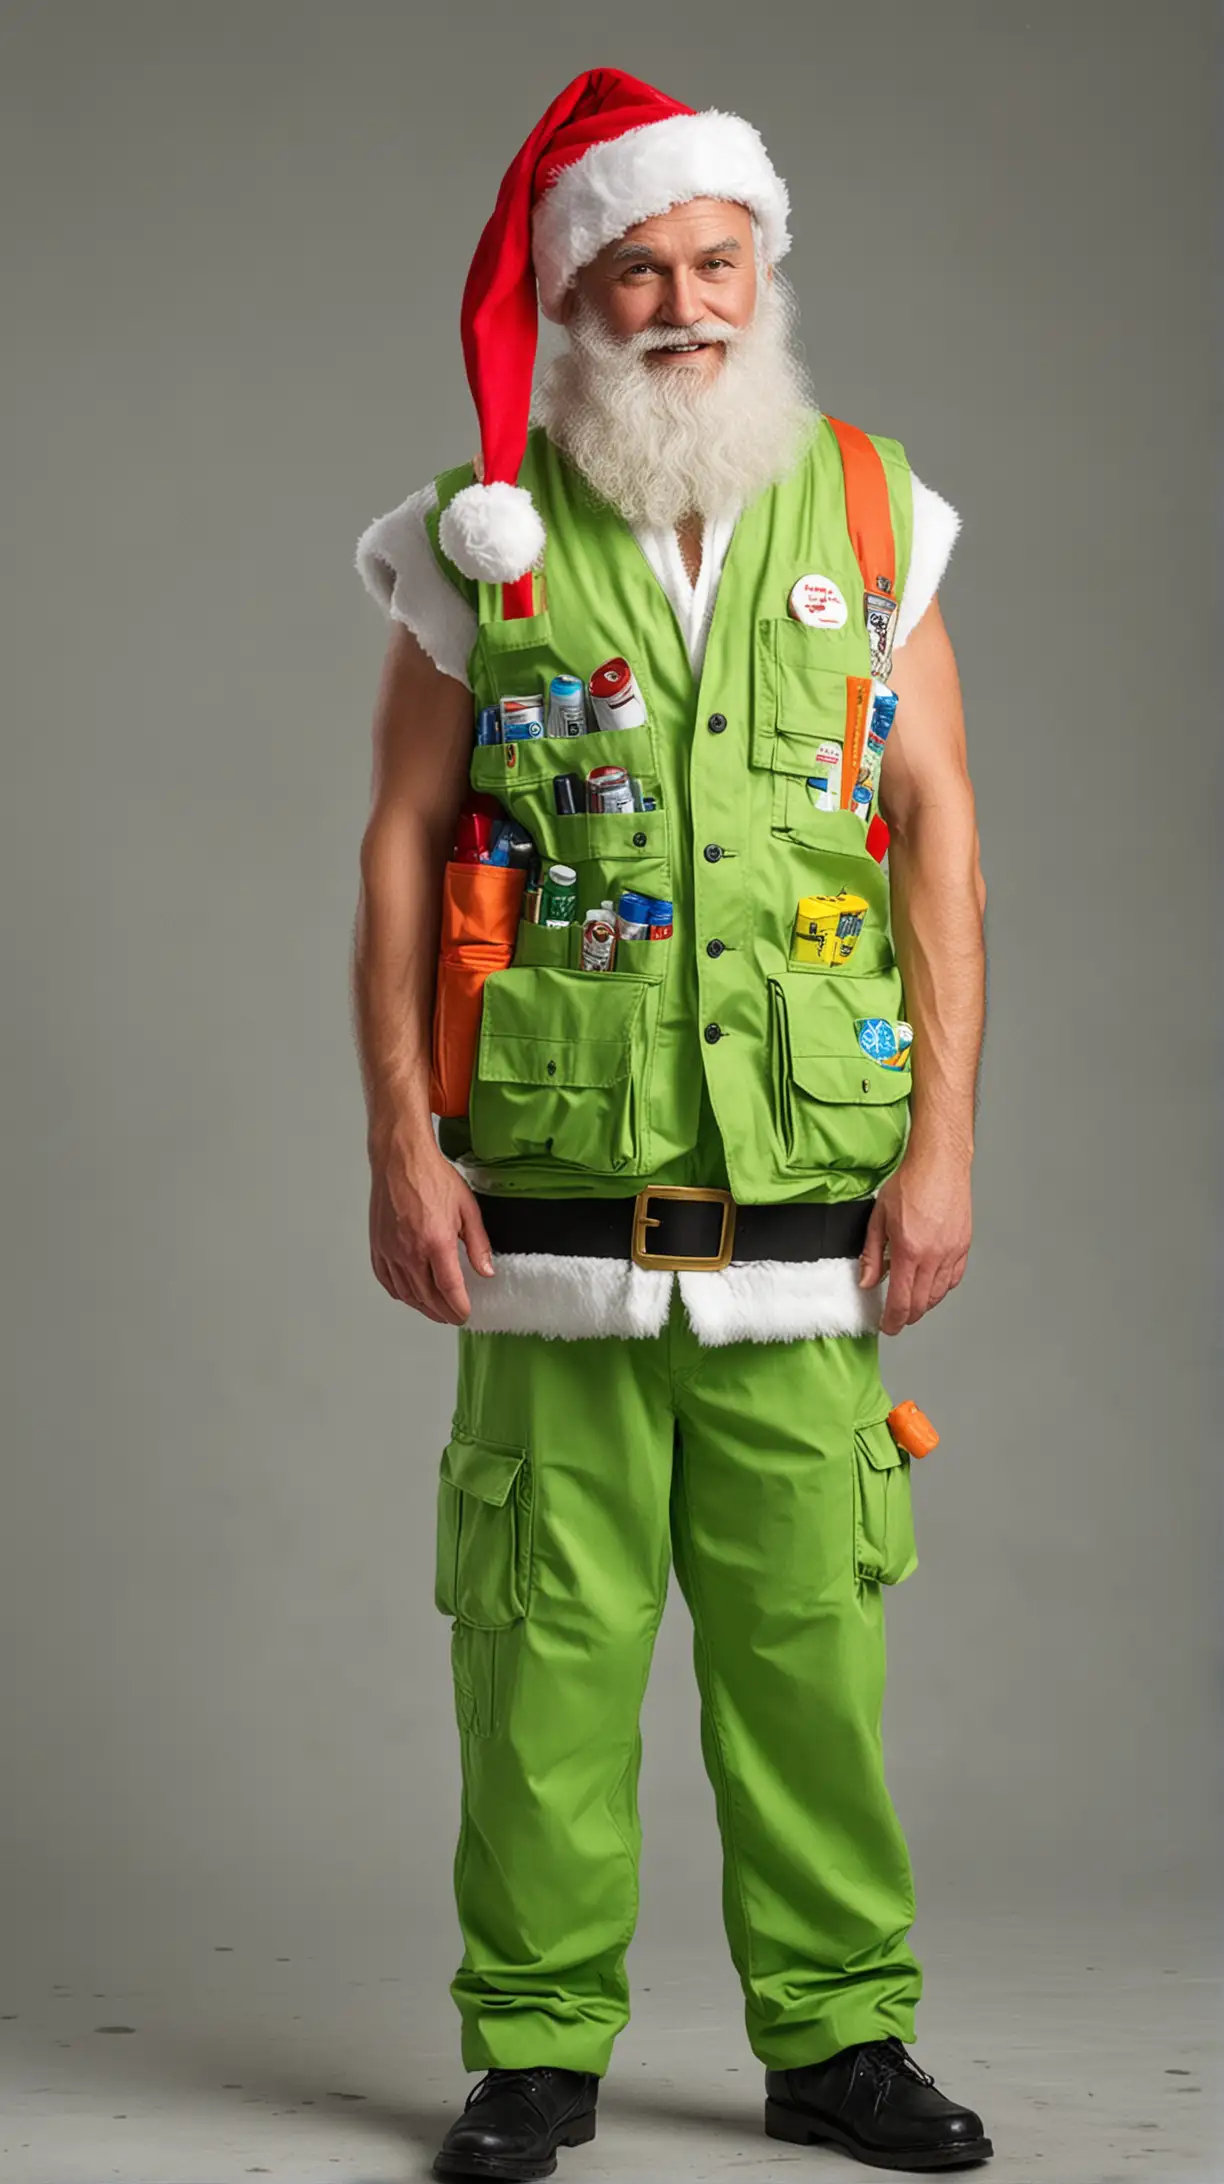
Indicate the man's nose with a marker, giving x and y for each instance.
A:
(681, 306)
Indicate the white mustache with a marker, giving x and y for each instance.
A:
(683, 337)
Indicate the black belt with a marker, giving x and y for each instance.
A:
(670, 1227)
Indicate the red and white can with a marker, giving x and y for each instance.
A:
(616, 701)
(609, 789)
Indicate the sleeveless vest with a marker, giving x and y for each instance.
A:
(591, 1083)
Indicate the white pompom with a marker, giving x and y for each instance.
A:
(492, 532)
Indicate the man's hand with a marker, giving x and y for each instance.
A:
(919, 1234)
(416, 1220)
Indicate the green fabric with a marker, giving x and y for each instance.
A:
(800, 1112)
(446, 486)
(766, 1470)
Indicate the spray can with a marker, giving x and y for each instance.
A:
(616, 700)
(633, 915)
(599, 939)
(559, 895)
(566, 706)
(608, 789)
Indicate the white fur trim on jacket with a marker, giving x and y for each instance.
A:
(936, 524)
(395, 562)
(397, 567)
(546, 1293)
(777, 1300)
(647, 171)
(542, 1293)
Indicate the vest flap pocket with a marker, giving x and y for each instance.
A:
(482, 1468)
(561, 1059)
(837, 1112)
(499, 639)
(807, 690)
(509, 1059)
(850, 1080)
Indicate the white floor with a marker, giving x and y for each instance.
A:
(1088, 2044)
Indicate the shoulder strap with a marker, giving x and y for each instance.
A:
(869, 520)
(867, 511)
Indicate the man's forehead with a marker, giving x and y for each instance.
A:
(706, 223)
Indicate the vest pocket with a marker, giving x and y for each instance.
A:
(884, 1547)
(805, 691)
(560, 1068)
(836, 1110)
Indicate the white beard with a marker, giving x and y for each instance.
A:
(660, 443)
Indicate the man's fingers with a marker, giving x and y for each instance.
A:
(475, 1238)
(447, 1276)
(900, 1286)
(871, 1260)
(921, 1296)
(393, 1278)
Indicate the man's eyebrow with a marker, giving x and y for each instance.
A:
(643, 250)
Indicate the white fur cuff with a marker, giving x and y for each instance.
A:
(768, 1300)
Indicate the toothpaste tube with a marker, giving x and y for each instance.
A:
(825, 783)
(883, 713)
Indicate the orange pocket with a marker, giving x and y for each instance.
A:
(480, 912)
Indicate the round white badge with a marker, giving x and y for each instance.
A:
(817, 601)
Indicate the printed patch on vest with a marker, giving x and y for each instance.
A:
(817, 601)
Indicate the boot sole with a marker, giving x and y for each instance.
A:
(578, 2133)
(799, 2129)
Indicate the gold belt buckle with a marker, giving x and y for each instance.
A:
(642, 1220)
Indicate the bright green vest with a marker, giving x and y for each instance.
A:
(714, 1050)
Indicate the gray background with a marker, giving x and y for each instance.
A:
(236, 241)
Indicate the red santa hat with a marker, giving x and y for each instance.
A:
(610, 151)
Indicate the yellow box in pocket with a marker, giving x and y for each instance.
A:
(827, 928)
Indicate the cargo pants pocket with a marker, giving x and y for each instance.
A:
(884, 1547)
(483, 1567)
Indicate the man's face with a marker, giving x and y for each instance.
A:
(694, 267)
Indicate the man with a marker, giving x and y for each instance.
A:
(680, 1181)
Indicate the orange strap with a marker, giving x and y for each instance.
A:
(869, 520)
(867, 511)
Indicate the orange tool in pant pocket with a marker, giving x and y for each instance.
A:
(912, 1430)
(480, 913)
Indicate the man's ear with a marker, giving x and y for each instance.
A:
(565, 311)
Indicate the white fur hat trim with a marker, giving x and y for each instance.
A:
(647, 171)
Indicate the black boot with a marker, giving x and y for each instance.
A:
(513, 2122)
(874, 2102)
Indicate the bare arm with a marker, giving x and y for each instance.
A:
(923, 1215)
(419, 1203)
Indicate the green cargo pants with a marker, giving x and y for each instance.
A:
(576, 1471)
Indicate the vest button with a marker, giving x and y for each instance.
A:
(552, 1071)
(712, 853)
(639, 840)
(715, 947)
(713, 1033)
(716, 723)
